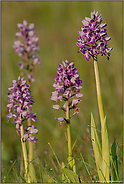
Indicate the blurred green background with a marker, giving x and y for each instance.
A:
(56, 25)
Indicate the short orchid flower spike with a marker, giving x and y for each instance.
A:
(19, 107)
(67, 88)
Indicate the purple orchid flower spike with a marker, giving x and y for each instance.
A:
(27, 48)
(19, 107)
(93, 37)
(67, 87)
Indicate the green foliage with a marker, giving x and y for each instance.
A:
(111, 156)
(97, 149)
(114, 163)
(32, 173)
(105, 151)
(71, 175)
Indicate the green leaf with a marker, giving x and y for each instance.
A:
(32, 173)
(72, 176)
(74, 165)
(105, 150)
(114, 163)
(96, 148)
(64, 177)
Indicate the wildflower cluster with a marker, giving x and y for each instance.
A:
(19, 107)
(27, 48)
(93, 37)
(67, 88)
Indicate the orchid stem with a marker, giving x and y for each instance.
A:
(30, 143)
(24, 154)
(98, 88)
(70, 156)
(31, 167)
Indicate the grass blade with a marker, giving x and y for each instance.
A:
(20, 176)
(9, 171)
(54, 155)
(86, 167)
(40, 173)
(52, 175)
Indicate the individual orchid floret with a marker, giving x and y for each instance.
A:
(67, 88)
(61, 120)
(20, 103)
(93, 37)
(28, 134)
(27, 48)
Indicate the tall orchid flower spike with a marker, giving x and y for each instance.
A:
(93, 40)
(19, 108)
(93, 37)
(27, 48)
(67, 89)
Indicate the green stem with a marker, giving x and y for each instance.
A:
(104, 133)
(32, 174)
(24, 154)
(99, 98)
(70, 156)
(29, 124)
(30, 145)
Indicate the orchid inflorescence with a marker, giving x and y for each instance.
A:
(93, 37)
(19, 107)
(27, 48)
(67, 88)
